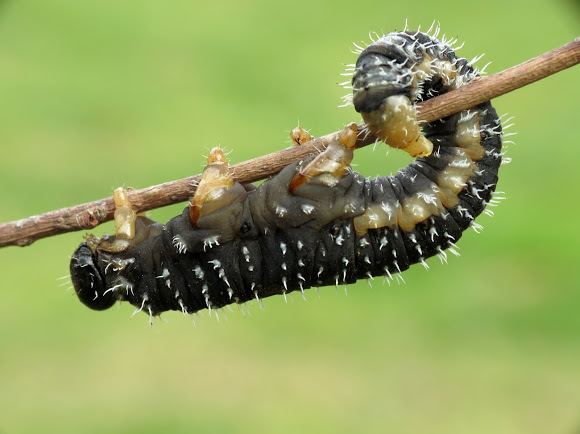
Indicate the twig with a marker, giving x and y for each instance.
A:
(88, 215)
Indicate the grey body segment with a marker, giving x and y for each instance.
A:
(271, 241)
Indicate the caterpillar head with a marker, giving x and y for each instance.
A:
(88, 281)
(380, 72)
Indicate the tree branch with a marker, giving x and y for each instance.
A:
(88, 215)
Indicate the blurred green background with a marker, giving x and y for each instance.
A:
(94, 95)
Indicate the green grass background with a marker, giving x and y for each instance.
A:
(95, 95)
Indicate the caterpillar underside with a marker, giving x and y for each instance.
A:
(317, 222)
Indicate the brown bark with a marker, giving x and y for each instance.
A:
(88, 215)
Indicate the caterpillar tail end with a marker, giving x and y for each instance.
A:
(396, 123)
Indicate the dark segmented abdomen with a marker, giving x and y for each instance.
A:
(273, 242)
(441, 230)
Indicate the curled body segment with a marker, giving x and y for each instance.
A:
(315, 223)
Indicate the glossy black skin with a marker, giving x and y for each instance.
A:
(88, 280)
(269, 245)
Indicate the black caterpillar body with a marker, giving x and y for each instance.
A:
(272, 241)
